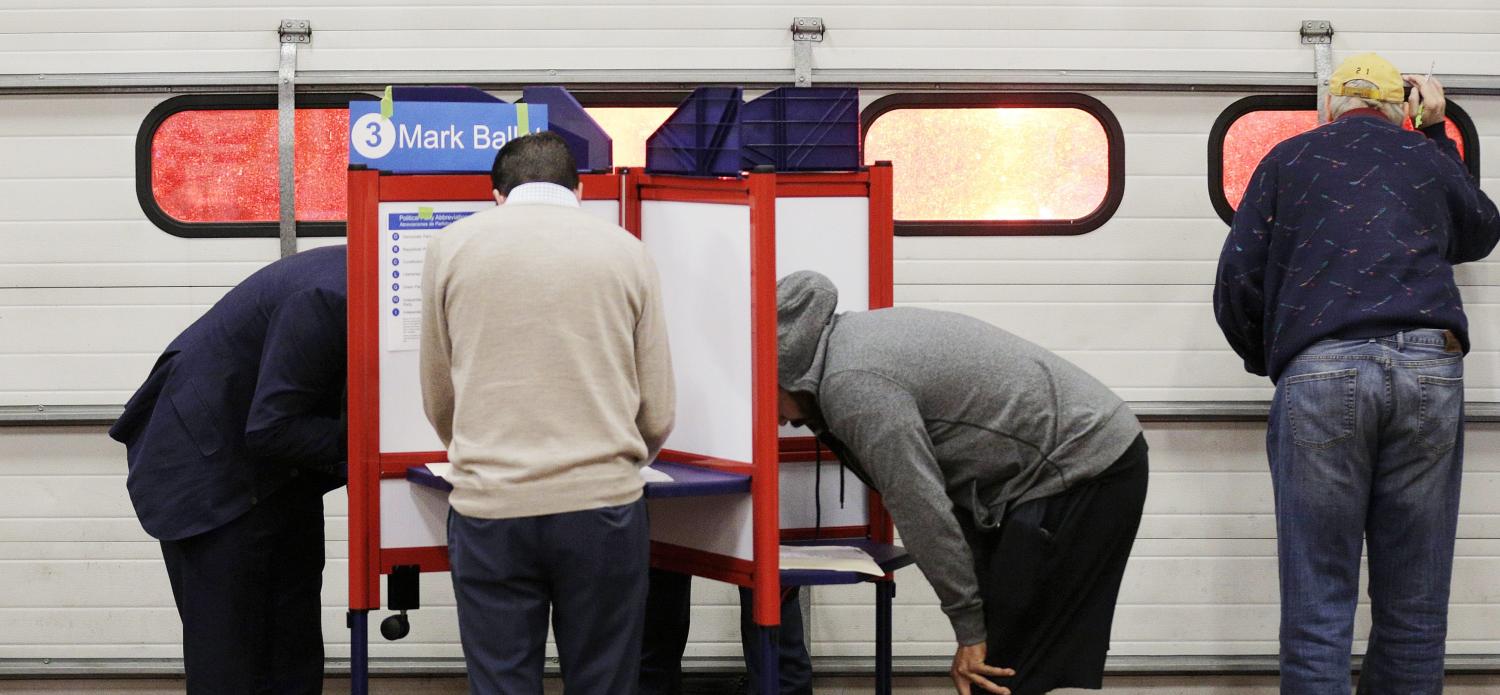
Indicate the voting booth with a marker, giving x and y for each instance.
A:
(733, 497)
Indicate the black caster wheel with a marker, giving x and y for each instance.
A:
(395, 627)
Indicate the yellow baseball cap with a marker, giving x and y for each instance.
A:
(1389, 85)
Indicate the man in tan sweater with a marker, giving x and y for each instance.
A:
(546, 373)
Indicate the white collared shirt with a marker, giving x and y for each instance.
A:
(541, 193)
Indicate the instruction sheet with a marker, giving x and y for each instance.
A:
(837, 558)
(405, 229)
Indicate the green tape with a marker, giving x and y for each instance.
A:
(387, 105)
(523, 119)
(424, 213)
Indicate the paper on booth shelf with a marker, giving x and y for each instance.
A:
(651, 475)
(837, 558)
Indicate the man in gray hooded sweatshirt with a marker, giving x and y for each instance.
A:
(1015, 479)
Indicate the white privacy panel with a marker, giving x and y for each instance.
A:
(702, 251)
(719, 524)
(831, 236)
(603, 209)
(412, 516)
(404, 230)
(821, 495)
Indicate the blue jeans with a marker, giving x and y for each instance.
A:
(1366, 441)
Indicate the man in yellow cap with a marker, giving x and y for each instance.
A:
(1336, 281)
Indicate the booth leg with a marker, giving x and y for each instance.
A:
(770, 660)
(884, 591)
(359, 653)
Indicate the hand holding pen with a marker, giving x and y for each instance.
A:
(1428, 106)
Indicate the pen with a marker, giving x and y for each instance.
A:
(1416, 119)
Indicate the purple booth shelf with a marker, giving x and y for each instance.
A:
(420, 475)
(693, 481)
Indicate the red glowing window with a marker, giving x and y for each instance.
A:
(221, 165)
(1008, 164)
(208, 165)
(1255, 125)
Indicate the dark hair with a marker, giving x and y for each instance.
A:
(537, 158)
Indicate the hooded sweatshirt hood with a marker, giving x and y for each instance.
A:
(805, 303)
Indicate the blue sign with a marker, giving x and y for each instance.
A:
(437, 135)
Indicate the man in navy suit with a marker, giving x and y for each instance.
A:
(231, 443)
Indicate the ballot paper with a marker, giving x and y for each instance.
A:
(651, 475)
(838, 558)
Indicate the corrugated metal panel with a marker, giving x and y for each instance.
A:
(98, 291)
(1202, 578)
(1194, 586)
(679, 38)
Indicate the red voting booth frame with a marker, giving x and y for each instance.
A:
(368, 464)
(759, 191)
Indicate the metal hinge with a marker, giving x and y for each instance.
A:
(296, 31)
(806, 31)
(1317, 31)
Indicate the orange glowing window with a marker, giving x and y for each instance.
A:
(1257, 124)
(1012, 166)
(628, 127)
(209, 165)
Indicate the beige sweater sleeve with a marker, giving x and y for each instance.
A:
(653, 364)
(436, 348)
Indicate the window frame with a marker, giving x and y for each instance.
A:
(146, 196)
(1302, 102)
(1114, 138)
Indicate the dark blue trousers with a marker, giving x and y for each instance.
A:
(668, 614)
(249, 593)
(588, 567)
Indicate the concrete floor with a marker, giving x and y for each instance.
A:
(1120, 685)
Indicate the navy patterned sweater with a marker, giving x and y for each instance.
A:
(1350, 230)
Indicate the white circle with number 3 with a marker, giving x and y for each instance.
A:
(373, 137)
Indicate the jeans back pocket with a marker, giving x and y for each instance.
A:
(1320, 407)
(1439, 416)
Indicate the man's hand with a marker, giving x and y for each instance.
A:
(969, 670)
(1426, 99)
